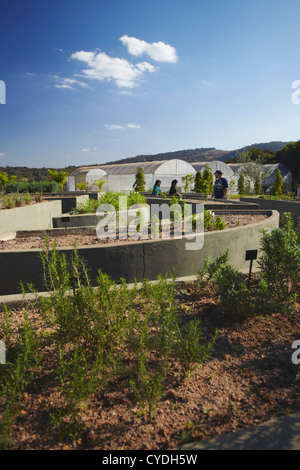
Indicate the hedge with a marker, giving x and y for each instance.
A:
(32, 187)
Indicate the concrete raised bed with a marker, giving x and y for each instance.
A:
(273, 204)
(90, 220)
(208, 205)
(32, 217)
(68, 202)
(144, 259)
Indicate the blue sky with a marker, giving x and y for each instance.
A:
(99, 80)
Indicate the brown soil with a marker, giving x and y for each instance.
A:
(249, 379)
(84, 237)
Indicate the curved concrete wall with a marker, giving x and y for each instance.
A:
(278, 205)
(32, 217)
(144, 259)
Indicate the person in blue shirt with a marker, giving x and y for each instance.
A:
(220, 187)
(156, 189)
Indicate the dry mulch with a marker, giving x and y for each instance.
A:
(81, 239)
(249, 379)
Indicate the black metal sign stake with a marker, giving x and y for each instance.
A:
(65, 220)
(250, 256)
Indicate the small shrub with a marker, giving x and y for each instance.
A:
(18, 373)
(190, 350)
(232, 289)
(79, 376)
(32, 187)
(139, 184)
(110, 197)
(280, 260)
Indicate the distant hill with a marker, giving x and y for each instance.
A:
(201, 154)
(273, 146)
(190, 155)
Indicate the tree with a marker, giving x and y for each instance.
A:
(257, 186)
(198, 182)
(241, 185)
(5, 179)
(254, 154)
(59, 177)
(252, 172)
(208, 179)
(277, 188)
(290, 156)
(140, 183)
(99, 184)
(82, 186)
(187, 181)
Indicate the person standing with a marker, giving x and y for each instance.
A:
(220, 189)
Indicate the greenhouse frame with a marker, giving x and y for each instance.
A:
(121, 177)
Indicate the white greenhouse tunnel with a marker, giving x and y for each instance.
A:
(121, 177)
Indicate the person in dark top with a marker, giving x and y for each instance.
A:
(220, 187)
(173, 191)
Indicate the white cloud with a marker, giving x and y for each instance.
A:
(89, 149)
(2, 155)
(158, 51)
(114, 127)
(69, 83)
(102, 67)
(98, 65)
(133, 126)
(130, 125)
(64, 86)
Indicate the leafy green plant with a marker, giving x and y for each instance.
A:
(9, 202)
(5, 180)
(82, 186)
(27, 198)
(190, 350)
(219, 224)
(38, 197)
(211, 224)
(59, 177)
(155, 223)
(198, 188)
(32, 187)
(148, 383)
(233, 291)
(241, 185)
(16, 375)
(79, 377)
(277, 187)
(109, 197)
(99, 184)
(139, 184)
(152, 340)
(208, 179)
(280, 260)
(187, 180)
(257, 186)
